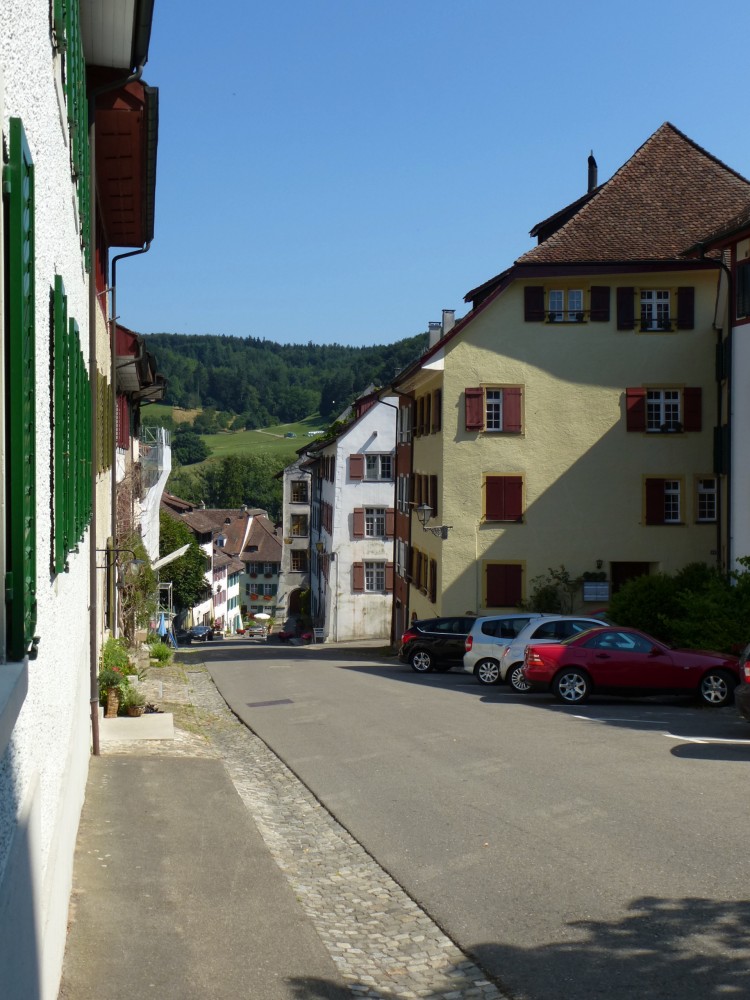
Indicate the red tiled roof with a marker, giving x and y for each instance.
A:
(263, 536)
(668, 195)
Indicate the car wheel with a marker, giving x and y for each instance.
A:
(717, 688)
(572, 686)
(421, 661)
(487, 672)
(516, 679)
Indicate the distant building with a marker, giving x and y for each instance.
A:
(295, 554)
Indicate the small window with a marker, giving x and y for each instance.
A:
(565, 305)
(374, 522)
(378, 467)
(663, 410)
(299, 560)
(299, 491)
(299, 526)
(655, 310)
(503, 498)
(706, 500)
(663, 501)
(375, 577)
(497, 409)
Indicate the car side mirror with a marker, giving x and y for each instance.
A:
(655, 651)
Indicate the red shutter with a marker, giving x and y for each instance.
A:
(513, 498)
(503, 498)
(437, 411)
(359, 522)
(433, 495)
(533, 303)
(654, 501)
(390, 522)
(358, 576)
(356, 466)
(692, 408)
(503, 585)
(389, 577)
(686, 308)
(625, 308)
(474, 404)
(599, 304)
(494, 498)
(512, 410)
(635, 409)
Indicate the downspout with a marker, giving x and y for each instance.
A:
(93, 371)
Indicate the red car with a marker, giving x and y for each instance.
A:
(625, 661)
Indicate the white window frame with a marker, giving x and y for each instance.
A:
(402, 493)
(565, 305)
(375, 577)
(706, 495)
(672, 501)
(663, 409)
(374, 522)
(493, 409)
(379, 467)
(404, 425)
(656, 313)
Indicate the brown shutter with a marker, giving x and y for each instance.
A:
(512, 410)
(504, 585)
(389, 577)
(428, 413)
(654, 501)
(599, 304)
(513, 498)
(625, 308)
(358, 577)
(692, 408)
(433, 581)
(533, 303)
(686, 308)
(359, 522)
(494, 498)
(390, 522)
(635, 409)
(474, 405)
(504, 498)
(356, 466)
(437, 411)
(433, 495)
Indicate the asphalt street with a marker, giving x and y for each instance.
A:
(574, 852)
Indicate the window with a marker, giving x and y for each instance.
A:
(299, 491)
(663, 501)
(664, 410)
(706, 500)
(379, 467)
(374, 522)
(655, 310)
(403, 493)
(375, 577)
(503, 498)
(494, 409)
(503, 584)
(299, 526)
(372, 577)
(299, 560)
(565, 306)
(404, 424)
(402, 554)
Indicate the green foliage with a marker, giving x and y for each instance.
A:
(245, 479)
(132, 696)
(696, 608)
(138, 598)
(161, 652)
(186, 573)
(552, 593)
(114, 655)
(189, 448)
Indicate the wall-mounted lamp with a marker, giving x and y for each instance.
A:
(132, 565)
(424, 513)
(599, 563)
(320, 546)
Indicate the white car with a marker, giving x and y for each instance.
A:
(495, 646)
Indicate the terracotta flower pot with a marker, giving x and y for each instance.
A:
(113, 703)
(134, 710)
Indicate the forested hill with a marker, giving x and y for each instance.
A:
(268, 381)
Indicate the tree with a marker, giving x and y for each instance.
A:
(188, 448)
(245, 479)
(186, 573)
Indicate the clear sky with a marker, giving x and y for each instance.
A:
(343, 170)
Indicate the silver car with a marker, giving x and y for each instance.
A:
(550, 630)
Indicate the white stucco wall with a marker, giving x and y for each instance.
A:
(43, 769)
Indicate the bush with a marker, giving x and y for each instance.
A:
(161, 652)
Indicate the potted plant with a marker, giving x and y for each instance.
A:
(112, 684)
(133, 701)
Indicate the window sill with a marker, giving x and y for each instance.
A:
(14, 683)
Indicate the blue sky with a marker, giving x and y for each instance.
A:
(343, 170)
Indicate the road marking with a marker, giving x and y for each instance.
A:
(706, 739)
(642, 722)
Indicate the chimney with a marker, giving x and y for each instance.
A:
(435, 331)
(449, 320)
(593, 173)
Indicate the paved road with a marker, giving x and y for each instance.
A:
(576, 853)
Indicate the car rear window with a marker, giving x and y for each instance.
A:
(504, 628)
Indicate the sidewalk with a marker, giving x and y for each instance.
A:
(205, 869)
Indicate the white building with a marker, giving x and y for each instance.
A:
(294, 578)
(351, 574)
(60, 215)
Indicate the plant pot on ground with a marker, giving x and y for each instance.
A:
(133, 701)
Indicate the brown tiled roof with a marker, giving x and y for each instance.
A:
(268, 543)
(668, 195)
(729, 228)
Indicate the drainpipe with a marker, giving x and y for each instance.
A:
(93, 370)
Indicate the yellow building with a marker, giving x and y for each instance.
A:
(568, 419)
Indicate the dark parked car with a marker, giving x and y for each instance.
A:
(435, 643)
(201, 633)
(742, 694)
(626, 661)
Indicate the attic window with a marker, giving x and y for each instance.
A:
(253, 548)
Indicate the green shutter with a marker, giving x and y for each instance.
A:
(69, 43)
(20, 580)
(62, 426)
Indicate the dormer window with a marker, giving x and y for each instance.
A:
(565, 305)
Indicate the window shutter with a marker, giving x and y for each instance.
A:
(433, 581)
(389, 577)
(358, 577)
(356, 466)
(437, 411)
(692, 408)
(20, 577)
(504, 498)
(654, 501)
(428, 413)
(513, 498)
(599, 304)
(359, 522)
(512, 410)
(503, 585)
(474, 405)
(625, 308)
(61, 423)
(432, 498)
(390, 522)
(494, 500)
(635, 409)
(686, 308)
(533, 303)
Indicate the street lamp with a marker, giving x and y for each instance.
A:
(424, 513)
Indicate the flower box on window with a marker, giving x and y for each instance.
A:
(253, 576)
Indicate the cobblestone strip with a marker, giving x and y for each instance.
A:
(383, 944)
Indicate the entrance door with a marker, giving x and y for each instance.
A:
(624, 571)
(294, 603)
